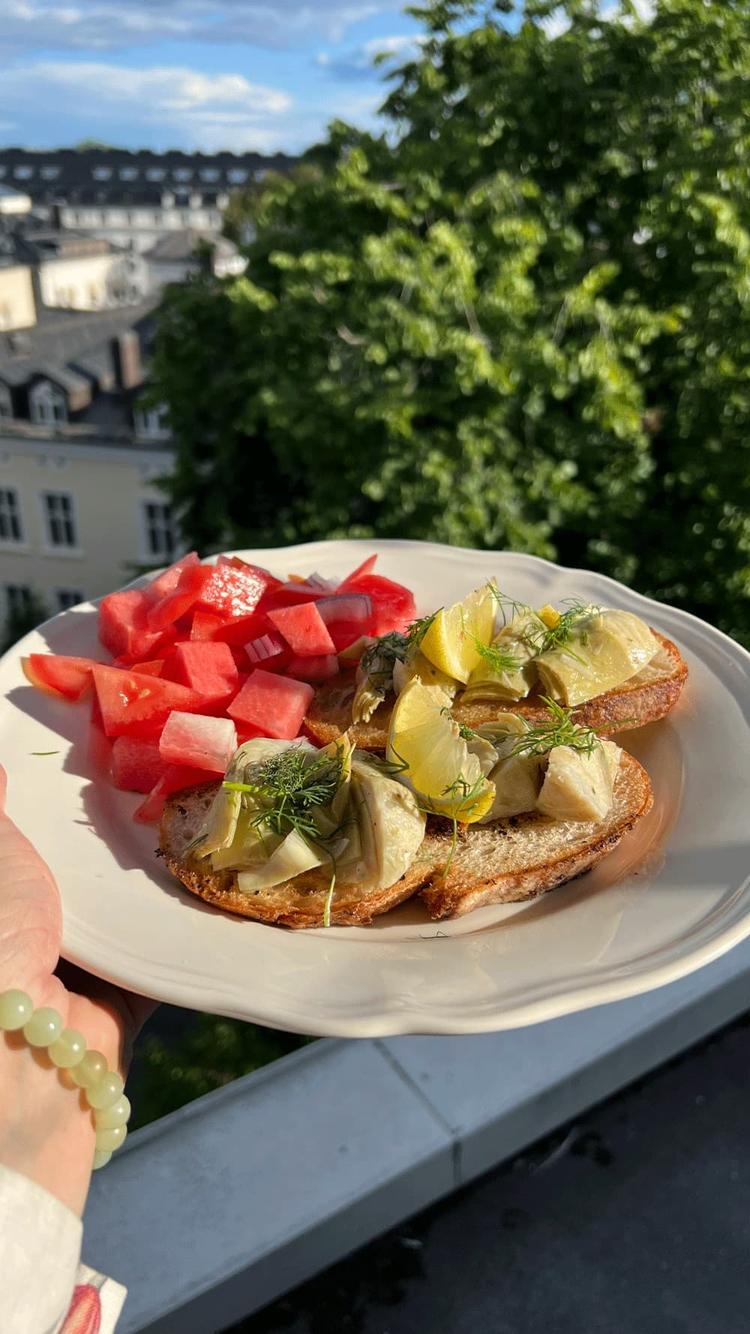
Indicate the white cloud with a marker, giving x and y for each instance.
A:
(203, 109)
(112, 24)
(360, 59)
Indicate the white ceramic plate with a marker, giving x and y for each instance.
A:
(674, 895)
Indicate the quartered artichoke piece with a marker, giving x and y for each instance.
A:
(390, 826)
(516, 776)
(579, 785)
(375, 674)
(503, 673)
(605, 649)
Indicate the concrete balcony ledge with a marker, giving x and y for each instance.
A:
(221, 1207)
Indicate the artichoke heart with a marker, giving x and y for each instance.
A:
(516, 776)
(390, 826)
(504, 673)
(375, 674)
(605, 649)
(293, 856)
(579, 785)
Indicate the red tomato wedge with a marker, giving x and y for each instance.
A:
(393, 605)
(176, 778)
(136, 764)
(133, 705)
(209, 668)
(304, 630)
(170, 608)
(275, 705)
(366, 567)
(69, 678)
(199, 742)
(167, 581)
(347, 617)
(314, 669)
(123, 625)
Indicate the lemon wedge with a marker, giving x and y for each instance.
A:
(450, 642)
(429, 754)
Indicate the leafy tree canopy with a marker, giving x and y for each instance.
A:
(520, 317)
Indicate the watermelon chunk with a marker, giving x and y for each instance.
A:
(176, 778)
(133, 705)
(234, 589)
(199, 742)
(204, 625)
(304, 629)
(136, 764)
(365, 568)
(209, 668)
(314, 669)
(275, 705)
(58, 675)
(179, 602)
(166, 582)
(123, 625)
(394, 607)
(347, 617)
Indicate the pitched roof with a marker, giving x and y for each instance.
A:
(65, 339)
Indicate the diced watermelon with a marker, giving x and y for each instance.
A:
(199, 742)
(176, 778)
(275, 705)
(314, 669)
(133, 705)
(234, 589)
(153, 668)
(237, 633)
(204, 624)
(166, 582)
(136, 764)
(266, 650)
(208, 668)
(347, 617)
(304, 629)
(123, 625)
(58, 675)
(394, 607)
(290, 595)
(184, 597)
(365, 568)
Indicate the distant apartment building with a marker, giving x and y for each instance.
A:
(82, 449)
(17, 302)
(132, 199)
(77, 272)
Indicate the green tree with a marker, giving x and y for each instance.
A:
(19, 623)
(521, 318)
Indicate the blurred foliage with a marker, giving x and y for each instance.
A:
(174, 1067)
(521, 318)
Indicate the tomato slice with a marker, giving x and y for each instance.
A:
(69, 678)
(393, 605)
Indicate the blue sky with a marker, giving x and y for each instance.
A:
(210, 74)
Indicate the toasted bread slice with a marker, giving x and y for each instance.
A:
(498, 863)
(645, 698)
(299, 902)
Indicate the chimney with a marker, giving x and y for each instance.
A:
(126, 359)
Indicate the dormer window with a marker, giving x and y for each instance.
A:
(152, 423)
(47, 404)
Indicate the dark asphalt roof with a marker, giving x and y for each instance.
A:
(66, 338)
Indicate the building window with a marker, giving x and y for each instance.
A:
(237, 176)
(152, 423)
(47, 404)
(6, 405)
(18, 599)
(155, 174)
(60, 519)
(160, 530)
(68, 597)
(128, 173)
(10, 516)
(24, 172)
(50, 173)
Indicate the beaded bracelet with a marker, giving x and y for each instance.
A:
(66, 1049)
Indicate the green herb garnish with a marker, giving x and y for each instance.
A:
(418, 629)
(45, 752)
(559, 731)
(498, 659)
(559, 636)
(288, 787)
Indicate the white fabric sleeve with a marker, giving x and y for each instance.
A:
(43, 1290)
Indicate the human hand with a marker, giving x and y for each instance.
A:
(46, 1128)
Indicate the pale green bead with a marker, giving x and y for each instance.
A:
(101, 1159)
(105, 1091)
(116, 1115)
(109, 1140)
(44, 1027)
(16, 1008)
(90, 1070)
(69, 1050)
